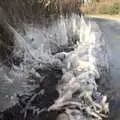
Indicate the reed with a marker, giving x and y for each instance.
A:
(36, 10)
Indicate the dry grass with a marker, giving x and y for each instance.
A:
(111, 7)
(35, 10)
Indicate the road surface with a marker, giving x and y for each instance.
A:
(111, 31)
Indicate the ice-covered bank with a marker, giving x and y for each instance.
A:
(54, 69)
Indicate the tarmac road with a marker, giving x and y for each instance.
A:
(111, 31)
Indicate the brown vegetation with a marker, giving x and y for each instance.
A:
(35, 10)
(111, 7)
